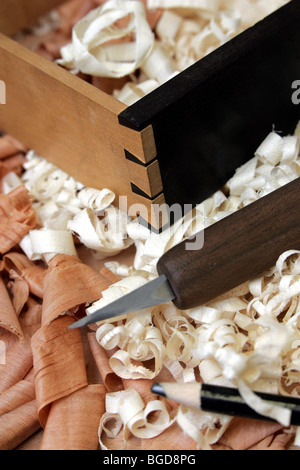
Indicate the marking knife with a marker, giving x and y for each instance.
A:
(236, 249)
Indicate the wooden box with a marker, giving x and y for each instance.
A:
(179, 144)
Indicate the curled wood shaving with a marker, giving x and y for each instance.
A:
(68, 284)
(18, 414)
(11, 165)
(46, 244)
(18, 354)
(17, 425)
(106, 236)
(171, 439)
(8, 315)
(56, 378)
(64, 208)
(187, 31)
(247, 338)
(205, 429)
(9, 146)
(210, 5)
(83, 408)
(140, 341)
(127, 411)
(53, 191)
(17, 395)
(243, 434)
(10, 181)
(97, 200)
(94, 50)
(33, 274)
(132, 92)
(110, 379)
(17, 217)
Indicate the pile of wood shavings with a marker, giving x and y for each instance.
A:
(129, 60)
(249, 338)
(229, 341)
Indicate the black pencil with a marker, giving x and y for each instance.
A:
(224, 400)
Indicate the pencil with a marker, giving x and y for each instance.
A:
(224, 400)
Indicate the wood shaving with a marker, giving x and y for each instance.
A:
(93, 51)
(84, 408)
(63, 207)
(17, 217)
(189, 30)
(129, 413)
(128, 50)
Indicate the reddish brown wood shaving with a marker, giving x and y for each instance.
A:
(278, 442)
(112, 382)
(8, 317)
(30, 320)
(74, 420)
(31, 272)
(52, 45)
(10, 146)
(111, 277)
(19, 290)
(69, 283)
(17, 395)
(17, 217)
(18, 354)
(18, 360)
(245, 433)
(72, 11)
(108, 85)
(14, 163)
(18, 425)
(59, 363)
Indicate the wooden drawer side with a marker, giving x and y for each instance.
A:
(75, 126)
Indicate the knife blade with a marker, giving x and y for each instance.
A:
(153, 293)
(236, 249)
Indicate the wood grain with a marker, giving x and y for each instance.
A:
(236, 249)
(74, 125)
(18, 14)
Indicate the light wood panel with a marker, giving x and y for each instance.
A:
(74, 125)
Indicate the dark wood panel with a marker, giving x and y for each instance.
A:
(210, 119)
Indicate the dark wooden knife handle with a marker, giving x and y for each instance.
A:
(236, 249)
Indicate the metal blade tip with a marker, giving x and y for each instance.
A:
(150, 294)
(77, 324)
